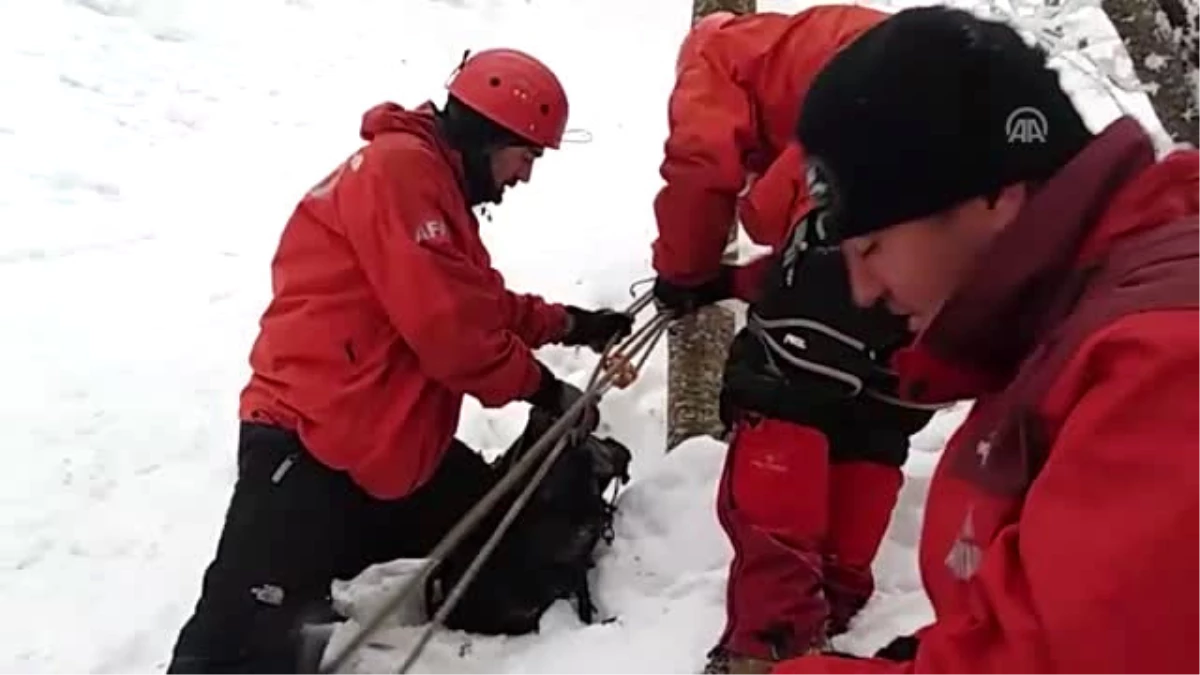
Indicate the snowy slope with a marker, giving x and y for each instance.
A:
(152, 151)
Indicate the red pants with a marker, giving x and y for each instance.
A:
(804, 532)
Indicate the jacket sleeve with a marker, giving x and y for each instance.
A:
(711, 130)
(453, 313)
(534, 320)
(1100, 573)
(776, 199)
(747, 280)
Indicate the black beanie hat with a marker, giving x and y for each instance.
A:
(930, 108)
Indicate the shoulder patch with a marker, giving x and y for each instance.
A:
(431, 230)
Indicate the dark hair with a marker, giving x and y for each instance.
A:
(475, 137)
(468, 130)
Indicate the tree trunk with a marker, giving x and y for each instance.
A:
(698, 344)
(1161, 38)
(700, 8)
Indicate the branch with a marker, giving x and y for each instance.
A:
(1158, 59)
(1044, 21)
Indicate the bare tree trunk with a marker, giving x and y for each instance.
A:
(701, 8)
(698, 344)
(1161, 38)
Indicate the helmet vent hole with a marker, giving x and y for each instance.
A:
(544, 108)
(494, 81)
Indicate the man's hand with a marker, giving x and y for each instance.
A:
(682, 300)
(596, 328)
(556, 397)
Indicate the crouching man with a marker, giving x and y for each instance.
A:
(386, 312)
(1052, 277)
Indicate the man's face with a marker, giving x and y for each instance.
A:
(913, 267)
(511, 165)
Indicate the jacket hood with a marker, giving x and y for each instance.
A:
(388, 117)
(463, 137)
(422, 123)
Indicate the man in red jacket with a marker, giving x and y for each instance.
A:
(740, 81)
(813, 469)
(386, 312)
(1053, 276)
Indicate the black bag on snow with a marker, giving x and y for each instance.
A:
(549, 549)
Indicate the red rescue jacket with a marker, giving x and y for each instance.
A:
(1081, 556)
(732, 114)
(386, 312)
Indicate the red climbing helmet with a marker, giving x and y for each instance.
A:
(516, 91)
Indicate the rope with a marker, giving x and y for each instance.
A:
(547, 448)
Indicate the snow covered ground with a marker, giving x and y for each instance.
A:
(152, 150)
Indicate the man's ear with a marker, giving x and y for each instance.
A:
(1008, 203)
(1000, 208)
(1017, 191)
(993, 198)
(994, 211)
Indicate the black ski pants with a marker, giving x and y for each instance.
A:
(292, 526)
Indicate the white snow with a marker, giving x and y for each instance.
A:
(152, 151)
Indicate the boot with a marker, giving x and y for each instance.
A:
(848, 590)
(820, 645)
(722, 662)
(748, 665)
(310, 646)
(718, 662)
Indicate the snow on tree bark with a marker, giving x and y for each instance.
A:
(1161, 39)
(702, 8)
(698, 344)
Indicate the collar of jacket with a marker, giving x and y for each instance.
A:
(995, 318)
(453, 156)
(472, 165)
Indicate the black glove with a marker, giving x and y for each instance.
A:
(556, 397)
(595, 328)
(903, 648)
(683, 300)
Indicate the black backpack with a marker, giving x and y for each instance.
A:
(548, 551)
